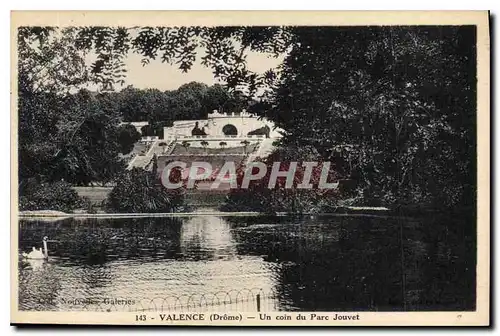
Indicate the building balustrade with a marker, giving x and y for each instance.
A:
(173, 136)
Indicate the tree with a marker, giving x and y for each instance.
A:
(140, 191)
(89, 134)
(403, 98)
(191, 101)
(48, 68)
(222, 144)
(186, 145)
(215, 98)
(77, 138)
(49, 61)
(64, 133)
(127, 137)
(224, 52)
(245, 144)
(134, 104)
(398, 96)
(57, 196)
(204, 143)
(257, 196)
(265, 130)
(163, 145)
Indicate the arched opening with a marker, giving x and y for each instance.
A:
(229, 130)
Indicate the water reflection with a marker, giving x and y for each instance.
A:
(323, 263)
(141, 259)
(207, 237)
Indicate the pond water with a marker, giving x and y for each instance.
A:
(210, 263)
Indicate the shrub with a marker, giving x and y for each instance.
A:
(127, 137)
(49, 196)
(141, 191)
(258, 197)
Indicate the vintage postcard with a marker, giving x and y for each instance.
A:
(250, 168)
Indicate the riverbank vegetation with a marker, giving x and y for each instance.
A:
(139, 191)
(395, 107)
(58, 196)
(282, 197)
(401, 102)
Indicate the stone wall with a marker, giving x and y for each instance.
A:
(216, 126)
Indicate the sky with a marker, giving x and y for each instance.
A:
(164, 76)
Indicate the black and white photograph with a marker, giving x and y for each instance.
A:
(260, 173)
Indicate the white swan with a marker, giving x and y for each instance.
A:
(38, 254)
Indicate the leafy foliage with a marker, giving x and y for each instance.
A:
(259, 197)
(74, 137)
(127, 137)
(54, 196)
(224, 50)
(401, 101)
(65, 132)
(141, 191)
(245, 144)
(396, 104)
(186, 145)
(190, 101)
